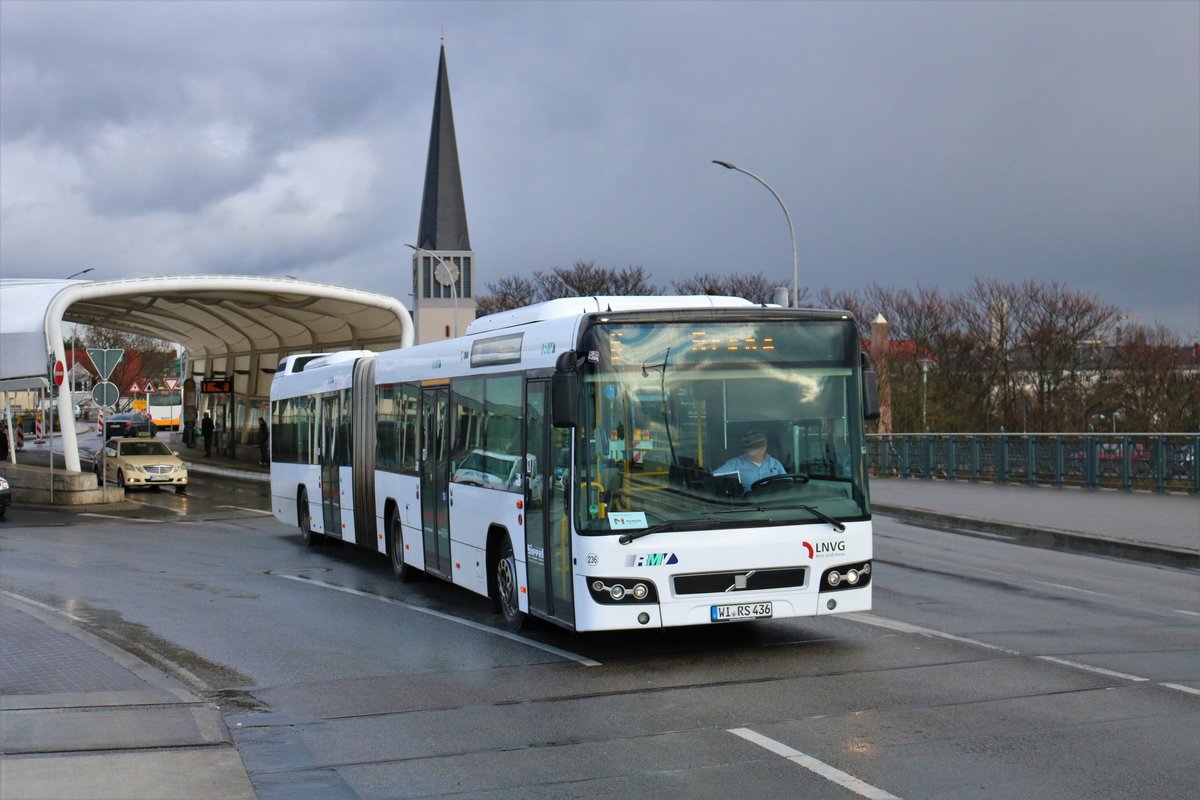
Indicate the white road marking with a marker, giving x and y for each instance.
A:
(904, 627)
(1089, 668)
(1189, 613)
(122, 519)
(22, 598)
(827, 772)
(587, 662)
(251, 510)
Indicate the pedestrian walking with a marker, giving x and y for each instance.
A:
(206, 429)
(264, 442)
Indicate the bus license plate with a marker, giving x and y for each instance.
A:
(741, 611)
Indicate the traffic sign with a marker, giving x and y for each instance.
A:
(104, 360)
(135, 387)
(149, 387)
(172, 383)
(59, 372)
(105, 394)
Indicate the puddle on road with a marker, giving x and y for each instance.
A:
(215, 682)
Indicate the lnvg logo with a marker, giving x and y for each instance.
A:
(825, 548)
(651, 560)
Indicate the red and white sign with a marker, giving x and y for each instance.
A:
(134, 387)
(149, 388)
(59, 372)
(172, 383)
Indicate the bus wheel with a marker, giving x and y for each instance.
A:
(302, 514)
(507, 593)
(404, 571)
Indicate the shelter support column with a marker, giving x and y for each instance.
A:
(66, 408)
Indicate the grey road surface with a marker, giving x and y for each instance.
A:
(986, 670)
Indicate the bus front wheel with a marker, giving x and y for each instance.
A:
(507, 598)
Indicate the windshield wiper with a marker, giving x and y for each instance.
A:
(821, 515)
(816, 512)
(675, 525)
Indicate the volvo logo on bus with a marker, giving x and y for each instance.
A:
(651, 560)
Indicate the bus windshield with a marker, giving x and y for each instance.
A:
(165, 398)
(720, 424)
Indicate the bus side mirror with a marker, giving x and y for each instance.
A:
(564, 392)
(870, 384)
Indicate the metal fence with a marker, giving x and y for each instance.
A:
(1151, 462)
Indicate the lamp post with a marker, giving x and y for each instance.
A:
(451, 278)
(924, 392)
(791, 227)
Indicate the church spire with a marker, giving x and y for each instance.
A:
(443, 213)
(443, 264)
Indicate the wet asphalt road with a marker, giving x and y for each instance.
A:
(986, 670)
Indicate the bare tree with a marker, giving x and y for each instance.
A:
(584, 279)
(755, 287)
(1056, 330)
(512, 291)
(1156, 383)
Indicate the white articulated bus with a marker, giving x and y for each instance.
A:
(598, 462)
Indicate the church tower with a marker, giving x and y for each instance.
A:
(443, 263)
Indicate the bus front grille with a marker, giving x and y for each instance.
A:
(749, 580)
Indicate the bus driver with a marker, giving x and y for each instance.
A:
(754, 463)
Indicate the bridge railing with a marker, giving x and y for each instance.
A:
(1154, 462)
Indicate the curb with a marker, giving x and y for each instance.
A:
(1047, 538)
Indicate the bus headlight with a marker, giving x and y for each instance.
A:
(613, 591)
(846, 576)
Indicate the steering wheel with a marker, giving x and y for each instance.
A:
(774, 480)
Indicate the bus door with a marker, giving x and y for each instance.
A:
(328, 411)
(435, 479)
(547, 517)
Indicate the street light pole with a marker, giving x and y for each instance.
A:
(791, 227)
(924, 392)
(450, 275)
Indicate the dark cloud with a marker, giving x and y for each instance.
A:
(914, 143)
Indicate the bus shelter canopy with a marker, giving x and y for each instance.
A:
(237, 326)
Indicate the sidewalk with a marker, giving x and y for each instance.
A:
(1157, 528)
(80, 718)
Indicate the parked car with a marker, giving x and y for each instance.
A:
(5, 496)
(143, 462)
(130, 424)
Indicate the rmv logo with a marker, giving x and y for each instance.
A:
(652, 560)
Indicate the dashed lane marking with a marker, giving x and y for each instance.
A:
(566, 654)
(832, 774)
(904, 627)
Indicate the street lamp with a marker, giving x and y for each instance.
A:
(77, 274)
(451, 279)
(925, 362)
(791, 227)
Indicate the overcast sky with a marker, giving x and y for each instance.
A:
(914, 143)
